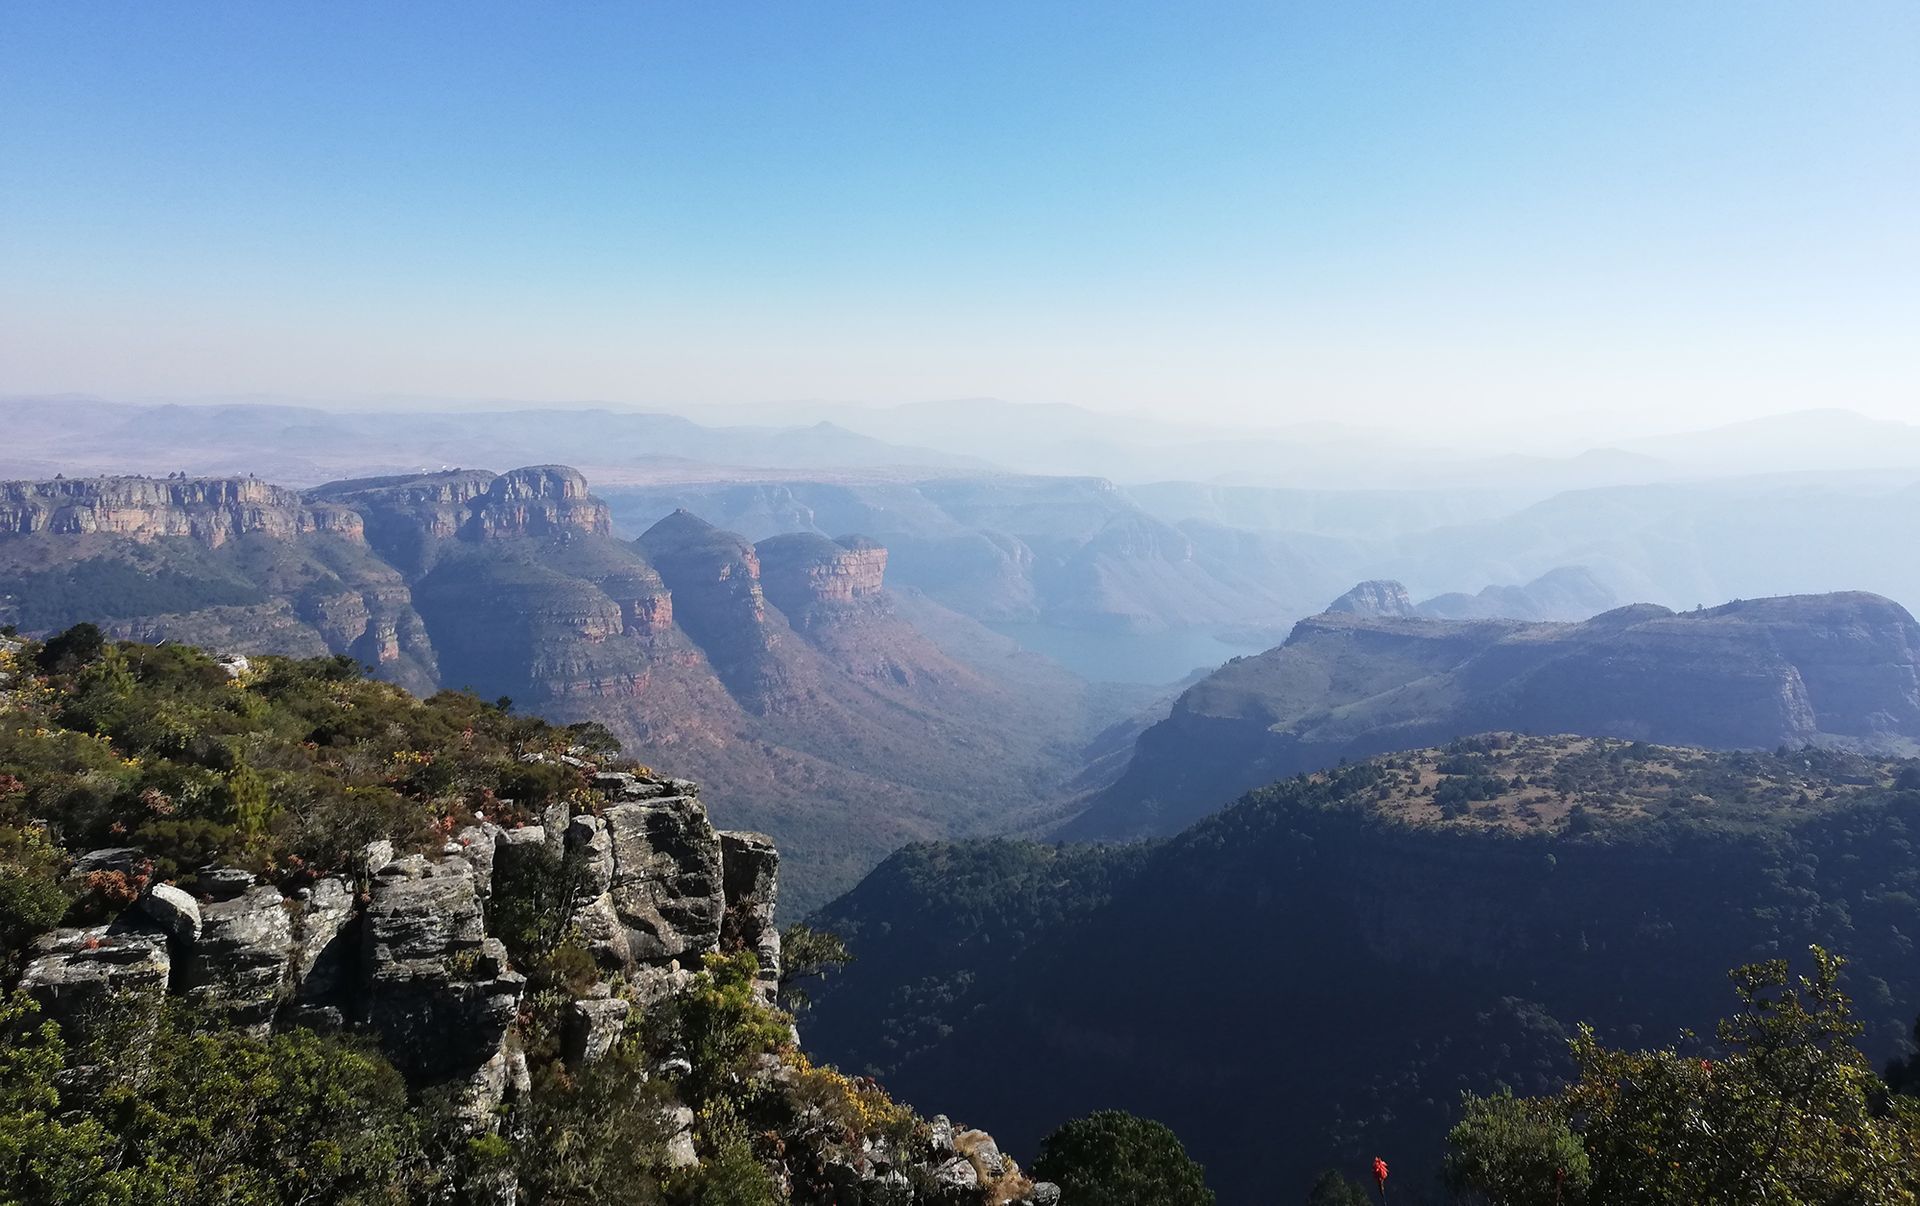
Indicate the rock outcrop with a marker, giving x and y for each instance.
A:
(812, 579)
(239, 965)
(209, 511)
(750, 866)
(409, 961)
(715, 578)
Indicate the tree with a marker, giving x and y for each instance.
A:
(31, 899)
(1333, 1189)
(1112, 1158)
(807, 954)
(71, 649)
(1508, 1151)
(1789, 1114)
(48, 1154)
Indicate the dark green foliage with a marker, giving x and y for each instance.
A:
(71, 650)
(110, 588)
(200, 1117)
(1511, 1151)
(807, 954)
(1384, 959)
(1333, 1189)
(531, 900)
(937, 928)
(718, 1026)
(1783, 1111)
(32, 899)
(1115, 1159)
(593, 1136)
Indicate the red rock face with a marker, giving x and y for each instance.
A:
(812, 579)
(211, 511)
(539, 501)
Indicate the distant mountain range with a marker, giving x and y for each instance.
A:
(1370, 677)
(302, 444)
(307, 445)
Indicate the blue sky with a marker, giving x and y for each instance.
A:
(1418, 214)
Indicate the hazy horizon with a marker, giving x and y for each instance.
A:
(1562, 224)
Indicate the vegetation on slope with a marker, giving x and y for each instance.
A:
(289, 768)
(1351, 950)
(937, 928)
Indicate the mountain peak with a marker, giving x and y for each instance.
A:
(1375, 597)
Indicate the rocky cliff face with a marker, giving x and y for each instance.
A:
(812, 579)
(406, 517)
(715, 575)
(404, 952)
(209, 511)
(1825, 669)
(768, 677)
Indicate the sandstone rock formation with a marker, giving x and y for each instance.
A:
(811, 578)
(209, 511)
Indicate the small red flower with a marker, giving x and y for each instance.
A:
(1380, 1173)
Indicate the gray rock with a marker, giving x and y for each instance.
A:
(680, 1153)
(525, 835)
(241, 964)
(124, 859)
(438, 990)
(73, 968)
(593, 1027)
(979, 1147)
(750, 865)
(941, 1135)
(106, 983)
(224, 883)
(667, 887)
(172, 910)
(651, 985)
(590, 845)
(325, 951)
(378, 855)
(1045, 1193)
(956, 1175)
(603, 934)
(476, 844)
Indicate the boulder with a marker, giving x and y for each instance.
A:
(241, 962)
(666, 888)
(979, 1147)
(475, 843)
(172, 910)
(378, 855)
(680, 1153)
